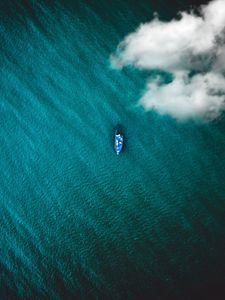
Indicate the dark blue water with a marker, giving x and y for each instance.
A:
(76, 221)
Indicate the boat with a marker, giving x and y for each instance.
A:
(118, 142)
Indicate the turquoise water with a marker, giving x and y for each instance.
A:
(78, 222)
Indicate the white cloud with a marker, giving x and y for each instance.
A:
(191, 43)
(185, 98)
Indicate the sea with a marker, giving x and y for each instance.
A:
(76, 220)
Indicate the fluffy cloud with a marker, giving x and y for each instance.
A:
(190, 43)
(199, 96)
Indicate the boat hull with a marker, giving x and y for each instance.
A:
(118, 142)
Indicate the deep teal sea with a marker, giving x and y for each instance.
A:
(77, 221)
